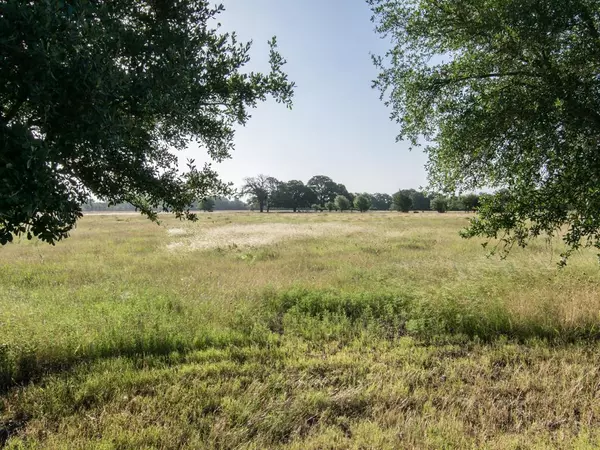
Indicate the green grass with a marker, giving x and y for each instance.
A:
(378, 330)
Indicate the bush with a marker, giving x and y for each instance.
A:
(362, 203)
(439, 204)
(330, 206)
(401, 202)
(342, 203)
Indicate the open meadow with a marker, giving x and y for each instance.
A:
(247, 330)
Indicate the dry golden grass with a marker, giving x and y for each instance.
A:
(253, 235)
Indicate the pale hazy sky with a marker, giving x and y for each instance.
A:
(338, 126)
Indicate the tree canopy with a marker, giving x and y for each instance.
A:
(95, 96)
(419, 200)
(362, 202)
(324, 188)
(401, 201)
(381, 202)
(299, 195)
(342, 203)
(439, 204)
(507, 94)
(268, 192)
(259, 188)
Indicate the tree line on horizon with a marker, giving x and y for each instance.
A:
(320, 193)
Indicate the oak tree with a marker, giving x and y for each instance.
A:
(324, 188)
(507, 94)
(95, 97)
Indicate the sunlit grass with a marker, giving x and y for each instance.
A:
(338, 330)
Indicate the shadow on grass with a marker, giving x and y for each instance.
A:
(9, 428)
(21, 365)
(315, 316)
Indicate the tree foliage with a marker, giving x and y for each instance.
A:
(455, 203)
(342, 203)
(95, 96)
(259, 188)
(420, 202)
(293, 195)
(362, 202)
(235, 204)
(324, 188)
(470, 202)
(274, 188)
(401, 201)
(341, 190)
(439, 204)
(381, 202)
(508, 94)
(207, 204)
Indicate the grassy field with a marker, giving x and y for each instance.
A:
(242, 330)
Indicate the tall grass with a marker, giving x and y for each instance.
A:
(382, 330)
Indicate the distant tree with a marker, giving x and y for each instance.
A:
(207, 204)
(341, 190)
(317, 207)
(419, 201)
(278, 196)
(455, 204)
(95, 95)
(439, 204)
(324, 188)
(470, 202)
(371, 198)
(401, 201)
(381, 202)
(291, 195)
(258, 187)
(330, 206)
(227, 204)
(342, 203)
(299, 195)
(274, 188)
(362, 203)
(253, 203)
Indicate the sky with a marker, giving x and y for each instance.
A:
(338, 126)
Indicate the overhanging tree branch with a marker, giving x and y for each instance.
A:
(484, 76)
